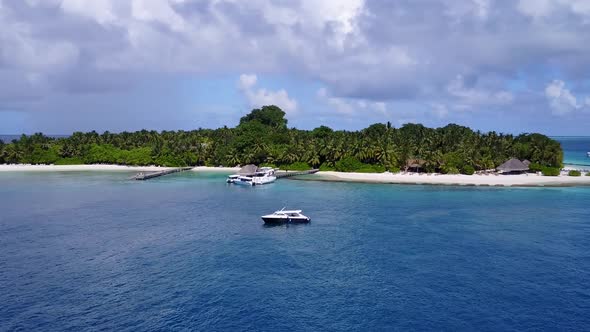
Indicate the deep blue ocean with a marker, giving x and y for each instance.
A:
(575, 150)
(95, 251)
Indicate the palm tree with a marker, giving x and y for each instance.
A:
(233, 157)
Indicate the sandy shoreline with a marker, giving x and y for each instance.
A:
(523, 180)
(80, 168)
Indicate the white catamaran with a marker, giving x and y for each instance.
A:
(251, 175)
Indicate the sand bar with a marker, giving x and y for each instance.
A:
(521, 180)
(76, 168)
(216, 169)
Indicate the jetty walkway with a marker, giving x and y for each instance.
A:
(151, 175)
(286, 174)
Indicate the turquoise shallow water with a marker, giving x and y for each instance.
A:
(575, 150)
(93, 251)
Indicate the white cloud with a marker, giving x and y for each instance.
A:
(472, 96)
(535, 8)
(459, 10)
(369, 55)
(546, 8)
(247, 81)
(20, 49)
(440, 110)
(337, 104)
(561, 100)
(158, 11)
(348, 106)
(100, 10)
(311, 15)
(127, 14)
(262, 97)
(380, 107)
(482, 8)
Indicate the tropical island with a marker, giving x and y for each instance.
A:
(262, 137)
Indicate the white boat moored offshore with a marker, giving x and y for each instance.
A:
(251, 175)
(286, 216)
(232, 178)
(588, 154)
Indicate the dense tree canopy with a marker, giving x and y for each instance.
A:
(271, 116)
(262, 137)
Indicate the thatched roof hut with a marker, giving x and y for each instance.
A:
(248, 170)
(512, 166)
(415, 163)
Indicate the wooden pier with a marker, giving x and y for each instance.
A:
(155, 174)
(286, 174)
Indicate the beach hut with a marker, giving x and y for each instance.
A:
(416, 164)
(248, 170)
(512, 166)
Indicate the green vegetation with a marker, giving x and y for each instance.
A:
(450, 170)
(297, 166)
(534, 167)
(574, 173)
(550, 171)
(325, 168)
(69, 161)
(262, 137)
(348, 164)
(468, 170)
(394, 169)
(352, 164)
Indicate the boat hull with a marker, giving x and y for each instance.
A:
(251, 181)
(280, 220)
(264, 180)
(243, 183)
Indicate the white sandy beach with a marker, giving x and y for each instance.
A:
(76, 168)
(216, 169)
(79, 168)
(522, 180)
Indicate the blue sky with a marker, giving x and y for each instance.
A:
(510, 66)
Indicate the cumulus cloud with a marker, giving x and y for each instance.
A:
(100, 10)
(474, 8)
(469, 97)
(369, 54)
(546, 8)
(258, 97)
(561, 100)
(21, 50)
(350, 107)
(440, 110)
